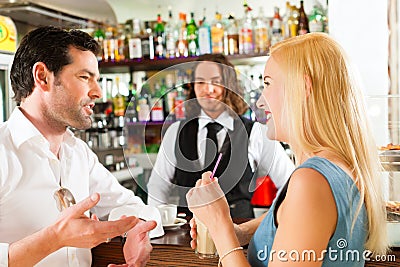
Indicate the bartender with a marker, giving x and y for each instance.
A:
(214, 125)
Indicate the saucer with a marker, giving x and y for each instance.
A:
(178, 223)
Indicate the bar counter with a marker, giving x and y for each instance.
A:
(173, 250)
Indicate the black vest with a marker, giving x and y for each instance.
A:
(234, 172)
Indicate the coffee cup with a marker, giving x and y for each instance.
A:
(205, 248)
(168, 213)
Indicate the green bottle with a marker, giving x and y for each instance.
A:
(159, 41)
(192, 34)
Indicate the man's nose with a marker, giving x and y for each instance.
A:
(95, 91)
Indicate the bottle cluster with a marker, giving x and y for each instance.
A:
(186, 37)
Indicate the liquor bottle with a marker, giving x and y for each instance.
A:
(109, 45)
(143, 109)
(204, 37)
(120, 43)
(293, 22)
(99, 36)
(118, 100)
(128, 36)
(180, 99)
(147, 41)
(317, 19)
(181, 45)
(159, 38)
(131, 105)
(192, 36)
(180, 104)
(143, 102)
(164, 97)
(303, 20)
(135, 43)
(261, 33)
(170, 36)
(285, 21)
(157, 109)
(170, 96)
(246, 42)
(232, 36)
(217, 35)
(276, 27)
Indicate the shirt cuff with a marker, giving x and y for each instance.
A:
(4, 254)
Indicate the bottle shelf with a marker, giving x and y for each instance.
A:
(149, 123)
(160, 64)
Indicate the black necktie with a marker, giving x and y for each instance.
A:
(212, 144)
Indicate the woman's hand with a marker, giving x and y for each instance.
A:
(208, 203)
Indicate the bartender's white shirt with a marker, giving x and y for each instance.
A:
(266, 156)
(30, 174)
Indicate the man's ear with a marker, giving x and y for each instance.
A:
(308, 82)
(40, 75)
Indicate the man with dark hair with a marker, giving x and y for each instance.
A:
(55, 79)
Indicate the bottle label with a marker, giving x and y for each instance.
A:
(157, 114)
(246, 39)
(233, 44)
(179, 109)
(204, 41)
(170, 42)
(261, 40)
(217, 39)
(135, 48)
(316, 26)
(144, 112)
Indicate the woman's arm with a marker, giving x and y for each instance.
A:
(306, 219)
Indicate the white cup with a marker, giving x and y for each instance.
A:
(168, 213)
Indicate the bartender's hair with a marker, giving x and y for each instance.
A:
(233, 93)
(49, 45)
(324, 110)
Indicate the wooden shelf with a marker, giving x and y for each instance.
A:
(160, 64)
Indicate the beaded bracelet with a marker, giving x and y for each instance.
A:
(226, 254)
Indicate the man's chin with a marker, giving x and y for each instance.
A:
(83, 125)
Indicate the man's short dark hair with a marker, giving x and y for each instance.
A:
(49, 45)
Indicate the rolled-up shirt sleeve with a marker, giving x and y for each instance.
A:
(4, 254)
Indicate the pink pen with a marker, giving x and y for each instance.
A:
(216, 166)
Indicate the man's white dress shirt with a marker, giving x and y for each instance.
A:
(265, 156)
(30, 174)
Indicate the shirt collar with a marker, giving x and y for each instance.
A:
(23, 130)
(224, 119)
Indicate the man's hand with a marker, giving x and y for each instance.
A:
(137, 247)
(75, 229)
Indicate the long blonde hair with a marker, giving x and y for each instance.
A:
(331, 117)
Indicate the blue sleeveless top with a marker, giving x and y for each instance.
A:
(345, 248)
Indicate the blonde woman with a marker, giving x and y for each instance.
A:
(331, 210)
